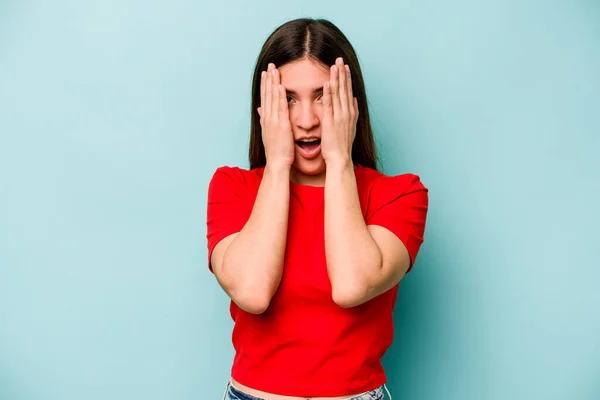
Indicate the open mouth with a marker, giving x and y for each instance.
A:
(309, 148)
(308, 144)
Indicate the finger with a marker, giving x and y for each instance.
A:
(349, 86)
(275, 99)
(263, 88)
(344, 100)
(259, 112)
(268, 93)
(283, 107)
(355, 104)
(327, 105)
(333, 85)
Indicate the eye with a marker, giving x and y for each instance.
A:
(289, 99)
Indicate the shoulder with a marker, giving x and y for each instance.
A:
(236, 176)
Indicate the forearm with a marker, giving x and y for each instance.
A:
(351, 252)
(253, 262)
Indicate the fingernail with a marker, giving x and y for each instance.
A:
(347, 68)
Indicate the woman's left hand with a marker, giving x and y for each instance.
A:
(340, 113)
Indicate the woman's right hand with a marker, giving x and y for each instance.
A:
(277, 135)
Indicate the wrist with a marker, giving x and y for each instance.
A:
(278, 169)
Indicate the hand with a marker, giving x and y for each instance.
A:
(340, 113)
(277, 135)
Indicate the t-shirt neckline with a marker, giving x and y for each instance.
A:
(306, 188)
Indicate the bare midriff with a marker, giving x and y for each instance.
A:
(271, 396)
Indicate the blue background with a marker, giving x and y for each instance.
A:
(115, 113)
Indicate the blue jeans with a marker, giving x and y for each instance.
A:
(233, 393)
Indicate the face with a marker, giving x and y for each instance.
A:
(303, 81)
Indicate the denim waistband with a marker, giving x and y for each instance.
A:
(234, 393)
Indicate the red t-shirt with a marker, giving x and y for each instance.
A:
(304, 344)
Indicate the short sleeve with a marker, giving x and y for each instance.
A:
(399, 204)
(229, 206)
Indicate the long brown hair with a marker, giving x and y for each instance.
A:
(321, 41)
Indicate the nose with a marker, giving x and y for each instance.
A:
(306, 116)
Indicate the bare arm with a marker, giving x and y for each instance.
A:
(362, 261)
(249, 264)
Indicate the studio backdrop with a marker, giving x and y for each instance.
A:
(114, 115)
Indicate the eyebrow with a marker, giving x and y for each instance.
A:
(318, 90)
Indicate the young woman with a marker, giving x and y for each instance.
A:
(311, 242)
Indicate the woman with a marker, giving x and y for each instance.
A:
(311, 242)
